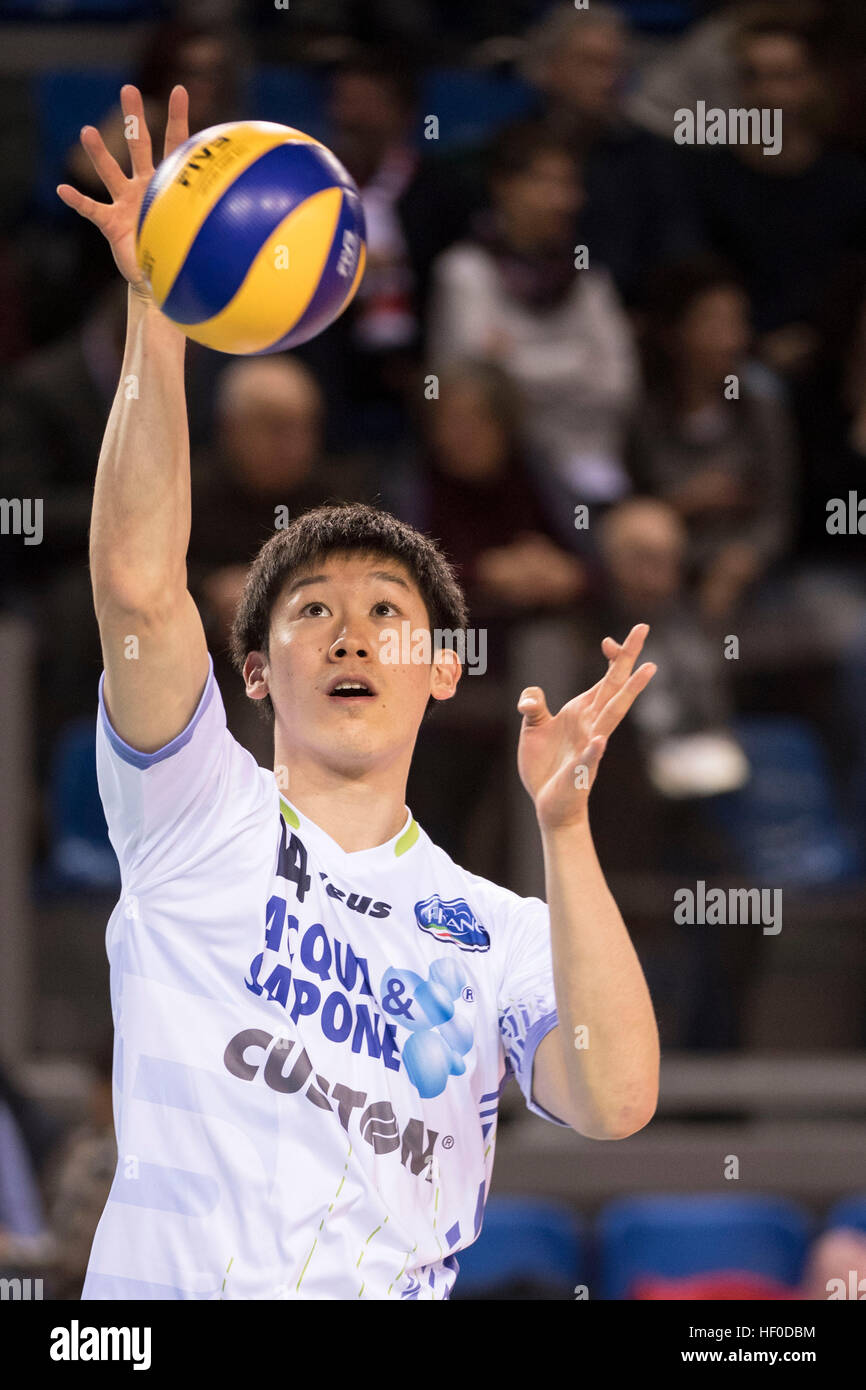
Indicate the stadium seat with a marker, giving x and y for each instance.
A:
(289, 95)
(674, 1236)
(852, 697)
(470, 105)
(661, 16)
(848, 1211)
(525, 1243)
(784, 824)
(74, 11)
(64, 101)
(81, 856)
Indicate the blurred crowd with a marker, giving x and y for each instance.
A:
(619, 378)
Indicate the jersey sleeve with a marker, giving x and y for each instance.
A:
(175, 811)
(527, 1002)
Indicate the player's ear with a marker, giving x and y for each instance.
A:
(255, 675)
(446, 671)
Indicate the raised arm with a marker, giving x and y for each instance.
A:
(153, 642)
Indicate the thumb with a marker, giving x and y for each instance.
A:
(533, 706)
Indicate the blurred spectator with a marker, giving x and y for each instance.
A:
(481, 500)
(52, 418)
(265, 465)
(715, 448)
(206, 62)
(643, 548)
(80, 1183)
(831, 410)
(836, 1256)
(836, 1263)
(433, 30)
(512, 294)
(702, 65)
(372, 111)
(24, 1137)
(478, 498)
(638, 207)
(415, 205)
(784, 219)
(668, 759)
(63, 266)
(53, 412)
(674, 756)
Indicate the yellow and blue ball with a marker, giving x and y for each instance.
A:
(252, 237)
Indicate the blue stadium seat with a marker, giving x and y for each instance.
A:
(852, 696)
(81, 856)
(77, 10)
(848, 1211)
(524, 1240)
(289, 95)
(64, 101)
(470, 106)
(676, 1236)
(784, 824)
(661, 16)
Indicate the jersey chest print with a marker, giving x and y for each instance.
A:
(408, 1023)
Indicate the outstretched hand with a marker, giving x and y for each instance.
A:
(558, 754)
(118, 220)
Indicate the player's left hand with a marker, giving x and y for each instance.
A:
(558, 754)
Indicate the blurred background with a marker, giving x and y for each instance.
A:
(648, 368)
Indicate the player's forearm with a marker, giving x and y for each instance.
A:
(612, 1062)
(140, 521)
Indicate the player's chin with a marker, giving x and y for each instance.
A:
(358, 704)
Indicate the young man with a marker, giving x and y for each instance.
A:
(313, 1004)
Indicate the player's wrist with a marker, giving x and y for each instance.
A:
(141, 292)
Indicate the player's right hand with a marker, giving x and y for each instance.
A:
(118, 219)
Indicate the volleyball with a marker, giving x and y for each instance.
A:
(252, 237)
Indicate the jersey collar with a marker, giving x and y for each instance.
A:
(383, 855)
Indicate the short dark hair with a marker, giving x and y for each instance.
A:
(387, 67)
(799, 25)
(668, 295)
(518, 145)
(345, 528)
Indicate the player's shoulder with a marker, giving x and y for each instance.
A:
(204, 759)
(492, 904)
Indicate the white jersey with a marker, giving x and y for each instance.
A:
(310, 1044)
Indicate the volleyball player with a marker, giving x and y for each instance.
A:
(315, 1008)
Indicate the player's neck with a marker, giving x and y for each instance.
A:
(357, 812)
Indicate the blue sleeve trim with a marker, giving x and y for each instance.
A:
(142, 760)
(540, 1028)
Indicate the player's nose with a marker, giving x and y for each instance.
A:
(349, 645)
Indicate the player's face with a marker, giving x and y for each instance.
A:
(359, 619)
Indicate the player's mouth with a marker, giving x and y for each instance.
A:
(350, 689)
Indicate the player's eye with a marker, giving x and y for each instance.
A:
(385, 604)
(315, 603)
